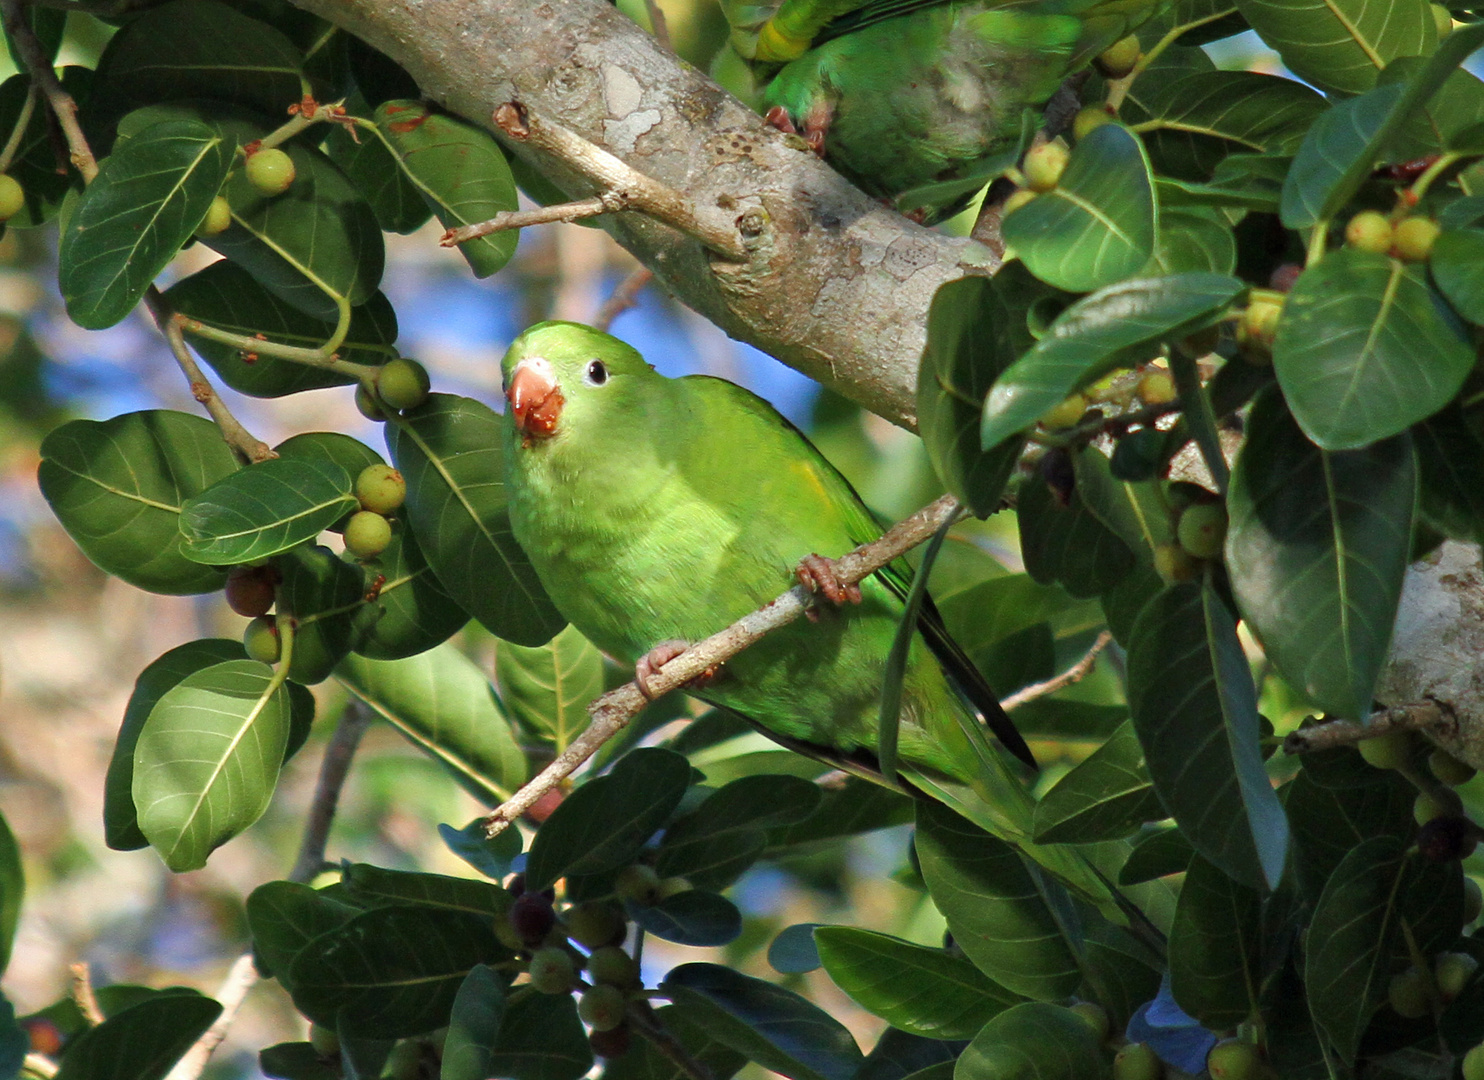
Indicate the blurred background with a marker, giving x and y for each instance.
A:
(74, 639)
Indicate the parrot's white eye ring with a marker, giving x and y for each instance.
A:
(596, 373)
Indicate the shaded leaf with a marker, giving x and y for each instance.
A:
(375, 886)
(474, 1026)
(1457, 265)
(285, 916)
(12, 891)
(692, 917)
(1105, 797)
(491, 856)
(1215, 947)
(321, 593)
(1068, 545)
(141, 1042)
(1035, 1040)
(1158, 850)
(644, 1062)
(541, 1039)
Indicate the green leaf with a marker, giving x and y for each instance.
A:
(1097, 334)
(320, 593)
(541, 1039)
(928, 992)
(1457, 264)
(148, 198)
(284, 917)
(1329, 821)
(409, 611)
(202, 49)
(995, 907)
(1195, 710)
(141, 1042)
(692, 917)
(1450, 466)
(1215, 947)
(117, 487)
(120, 820)
(1098, 224)
(1068, 545)
(793, 951)
(1365, 349)
(449, 451)
(443, 703)
(1194, 240)
(492, 856)
(391, 971)
(1105, 797)
(774, 1027)
(265, 508)
(296, 1061)
(373, 168)
(35, 163)
(1158, 850)
(1342, 44)
(548, 688)
(1317, 549)
(603, 824)
(315, 246)
(225, 296)
(474, 1026)
(208, 759)
(645, 1062)
(977, 327)
(12, 890)
(1034, 1041)
(715, 843)
(460, 171)
(375, 886)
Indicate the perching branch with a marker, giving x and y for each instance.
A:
(1425, 716)
(613, 711)
(608, 203)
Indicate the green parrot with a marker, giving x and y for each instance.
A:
(657, 511)
(898, 94)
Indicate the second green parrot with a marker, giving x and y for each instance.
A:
(657, 511)
(898, 94)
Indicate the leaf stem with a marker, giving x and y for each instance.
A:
(1195, 406)
(44, 77)
(322, 357)
(1422, 183)
(18, 132)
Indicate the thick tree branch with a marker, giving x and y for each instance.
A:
(612, 712)
(834, 284)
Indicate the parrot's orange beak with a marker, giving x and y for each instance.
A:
(535, 399)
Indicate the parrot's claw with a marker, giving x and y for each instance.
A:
(650, 663)
(779, 118)
(817, 574)
(816, 124)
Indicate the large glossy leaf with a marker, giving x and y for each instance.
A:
(147, 199)
(1118, 325)
(376, 886)
(474, 1025)
(1457, 265)
(1194, 239)
(1034, 1041)
(996, 907)
(284, 917)
(1317, 548)
(1067, 544)
(602, 825)
(460, 171)
(977, 327)
(265, 508)
(227, 297)
(923, 991)
(321, 593)
(1450, 466)
(314, 246)
(1365, 349)
(713, 844)
(120, 820)
(1098, 224)
(1329, 821)
(448, 449)
(548, 688)
(12, 890)
(645, 1062)
(391, 971)
(541, 1038)
(202, 48)
(1216, 947)
(1195, 710)
(208, 759)
(142, 1042)
(373, 168)
(774, 1027)
(117, 487)
(1342, 44)
(407, 610)
(1106, 797)
(443, 703)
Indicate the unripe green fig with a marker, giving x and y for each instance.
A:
(368, 406)
(1066, 414)
(1413, 238)
(1260, 321)
(1156, 387)
(380, 489)
(367, 534)
(1202, 529)
(613, 966)
(1452, 972)
(260, 639)
(1473, 900)
(1044, 165)
(1137, 1061)
(1095, 1016)
(1444, 20)
(1369, 230)
(1089, 120)
(596, 924)
(402, 383)
(270, 170)
(637, 884)
(553, 970)
(1426, 807)
(1234, 1059)
(1473, 1063)
(1448, 769)
(218, 218)
(324, 1040)
(1118, 59)
(1409, 993)
(1173, 564)
(12, 197)
(1016, 200)
(1389, 751)
(602, 1007)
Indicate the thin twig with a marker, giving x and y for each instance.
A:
(241, 978)
(1074, 674)
(334, 767)
(612, 712)
(83, 996)
(238, 437)
(616, 179)
(646, 1022)
(658, 24)
(45, 77)
(610, 202)
(1430, 716)
(623, 298)
(39, 1065)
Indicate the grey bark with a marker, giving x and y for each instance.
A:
(836, 285)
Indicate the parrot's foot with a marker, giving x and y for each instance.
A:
(650, 663)
(816, 124)
(818, 575)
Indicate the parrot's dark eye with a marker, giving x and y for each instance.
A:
(596, 374)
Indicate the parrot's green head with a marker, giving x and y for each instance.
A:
(561, 376)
